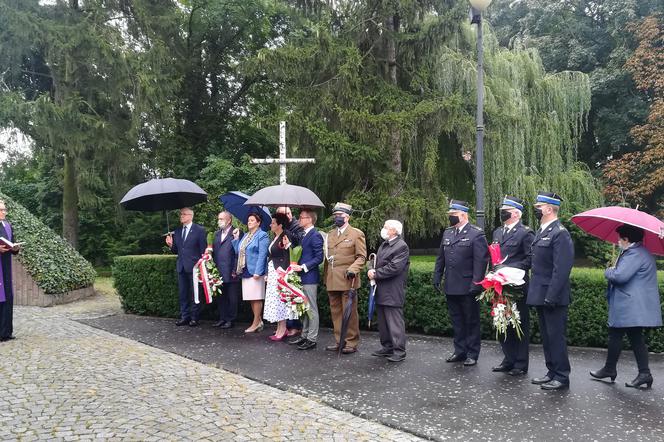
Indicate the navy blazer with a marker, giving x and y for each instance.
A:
(552, 261)
(462, 260)
(193, 248)
(392, 262)
(256, 253)
(516, 246)
(633, 292)
(312, 256)
(224, 256)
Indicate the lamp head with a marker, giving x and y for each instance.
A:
(480, 5)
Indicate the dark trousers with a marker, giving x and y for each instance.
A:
(638, 342)
(392, 329)
(515, 349)
(228, 301)
(553, 328)
(465, 315)
(7, 317)
(188, 309)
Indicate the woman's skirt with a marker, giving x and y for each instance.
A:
(253, 289)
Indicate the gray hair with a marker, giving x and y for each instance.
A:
(227, 213)
(394, 224)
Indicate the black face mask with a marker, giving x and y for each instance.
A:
(454, 220)
(538, 214)
(505, 215)
(339, 221)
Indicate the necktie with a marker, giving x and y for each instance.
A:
(505, 230)
(184, 233)
(338, 232)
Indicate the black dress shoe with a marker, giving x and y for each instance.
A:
(193, 324)
(604, 373)
(296, 340)
(517, 372)
(554, 385)
(542, 380)
(7, 338)
(641, 379)
(397, 358)
(501, 368)
(306, 345)
(219, 323)
(455, 358)
(182, 322)
(382, 353)
(469, 362)
(226, 325)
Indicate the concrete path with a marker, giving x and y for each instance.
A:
(425, 395)
(64, 380)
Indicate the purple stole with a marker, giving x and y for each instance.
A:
(7, 234)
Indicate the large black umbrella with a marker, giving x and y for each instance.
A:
(162, 194)
(285, 195)
(345, 318)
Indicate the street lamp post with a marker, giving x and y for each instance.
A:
(477, 7)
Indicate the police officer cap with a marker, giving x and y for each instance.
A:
(459, 205)
(548, 198)
(512, 202)
(342, 207)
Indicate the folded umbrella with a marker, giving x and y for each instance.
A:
(285, 195)
(234, 203)
(603, 221)
(345, 319)
(371, 264)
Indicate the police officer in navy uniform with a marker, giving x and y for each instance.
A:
(462, 260)
(549, 290)
(515, 241)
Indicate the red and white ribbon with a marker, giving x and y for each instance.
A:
(201, 276)
(282, 283)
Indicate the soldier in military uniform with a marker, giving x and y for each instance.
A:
(515, 240)
(549, 291)
(345, 254)
(462, 260)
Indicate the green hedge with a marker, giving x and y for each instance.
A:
(52, 262)
(425, 310)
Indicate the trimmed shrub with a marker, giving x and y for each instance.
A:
(52, 262)
(425, 310)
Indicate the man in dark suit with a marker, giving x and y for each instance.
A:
(225, 259)
(515, 241)
(549, 290)
(308, 266)
(462, 261)
(6, 282)
(189, 242)
(391, 274)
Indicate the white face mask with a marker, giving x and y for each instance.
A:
(221, 223)
(383, 234)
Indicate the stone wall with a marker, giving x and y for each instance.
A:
(26, 291)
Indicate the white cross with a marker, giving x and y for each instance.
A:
(282, 160)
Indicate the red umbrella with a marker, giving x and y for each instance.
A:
(602, 223)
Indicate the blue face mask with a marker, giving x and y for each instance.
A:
(339, 221)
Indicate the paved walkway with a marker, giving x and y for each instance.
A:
(64, 380)
(424, 395)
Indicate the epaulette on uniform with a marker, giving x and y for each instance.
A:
(561, 227)
(358, 230)
(478, 229)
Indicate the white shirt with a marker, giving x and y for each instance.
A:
(188, 229)
(460, 228)
(545, 225)
(224, 233)
(510, 226)
(340, 231)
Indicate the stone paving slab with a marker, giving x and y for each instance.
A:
(424, 395)
(64, 380)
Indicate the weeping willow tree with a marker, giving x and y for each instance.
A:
(382, 93)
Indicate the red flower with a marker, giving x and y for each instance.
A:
(494, 251)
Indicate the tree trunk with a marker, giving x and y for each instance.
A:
(392, 24)
(70, 202)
